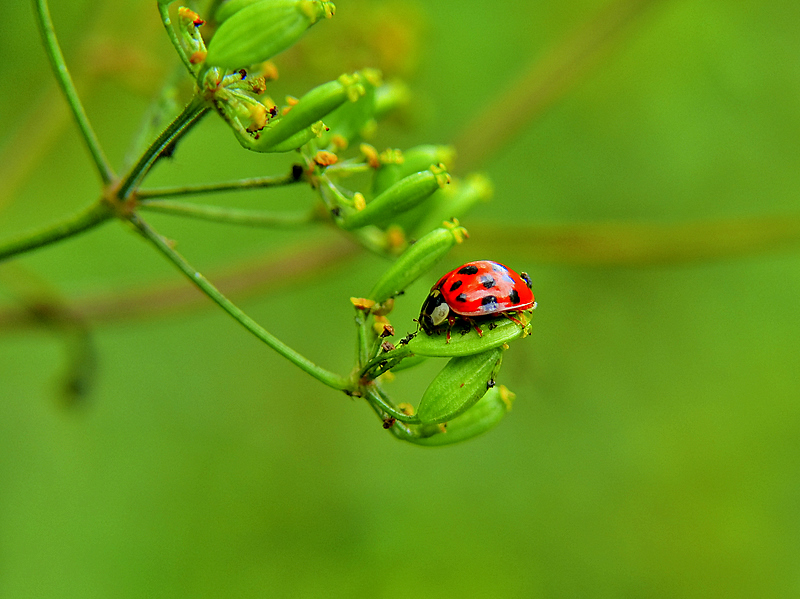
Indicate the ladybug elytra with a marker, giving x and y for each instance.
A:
(473, 290)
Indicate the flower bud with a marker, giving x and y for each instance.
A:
(402, 196)
(459, 385)
(415, 261)
(480, 418)
(258, 31)
(502, 331)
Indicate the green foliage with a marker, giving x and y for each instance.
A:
(643, 156)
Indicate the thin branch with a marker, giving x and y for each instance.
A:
(190, 115)
(234, 216)
(544, 82)
(254, 183)
(328, 378)
(68, 88)
(83, 221)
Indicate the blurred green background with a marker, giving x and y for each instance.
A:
(645, 159)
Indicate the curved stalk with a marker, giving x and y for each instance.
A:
(324, 376)
(84, 220)
(68, 88)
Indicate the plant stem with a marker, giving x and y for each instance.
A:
(329, 378)
(254, 183)
(163, 10)
(84, 220)
(68, 88)
(235, 216)
(190, 115)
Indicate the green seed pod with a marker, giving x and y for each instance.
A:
(402, 196)
(389, 97)
(414, 160)
(351, 118)
(503, 331)
(454, 201)
(312, 107)
(415, 261)
(231, 7)
(298, 139)
(459, 385)
(480, 418)
(260, 30)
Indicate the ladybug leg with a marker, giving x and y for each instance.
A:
(512, 319)
(477, 329)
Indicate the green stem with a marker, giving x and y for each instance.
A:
(254, 183)
(329, 378)
(84, 220)
(235, 216)
(68, 88)
(191, 114)
(375, 394)
(163, 10)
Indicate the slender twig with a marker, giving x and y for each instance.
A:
(329, 378)
(84, 220)
(68, 88)
(163, 10)
(545, 81)
(234, 216)
(254, 183)
(190, 115)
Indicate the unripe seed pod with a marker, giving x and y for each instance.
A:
(416, 260)
(480, 418)
(231, 7)
(454, 201)
(312, 107)
(298, 139)
(402, 196)
(502, 330)
(459, 385)
(260, 30)
(414, 160)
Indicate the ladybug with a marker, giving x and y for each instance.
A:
(476, 289)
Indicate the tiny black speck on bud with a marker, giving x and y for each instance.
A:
(490, 383)
(297, 171)
(389, 422)
(336, 211)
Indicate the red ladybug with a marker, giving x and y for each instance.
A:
(476, 289)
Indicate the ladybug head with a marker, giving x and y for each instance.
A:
(524, 276)
(434, 312)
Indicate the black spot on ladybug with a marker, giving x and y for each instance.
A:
(489, 299)
(487, 281)
(455, 285)
(513, 296)
(469, 269)
(461, 297)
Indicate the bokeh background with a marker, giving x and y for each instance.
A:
(646, 168)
